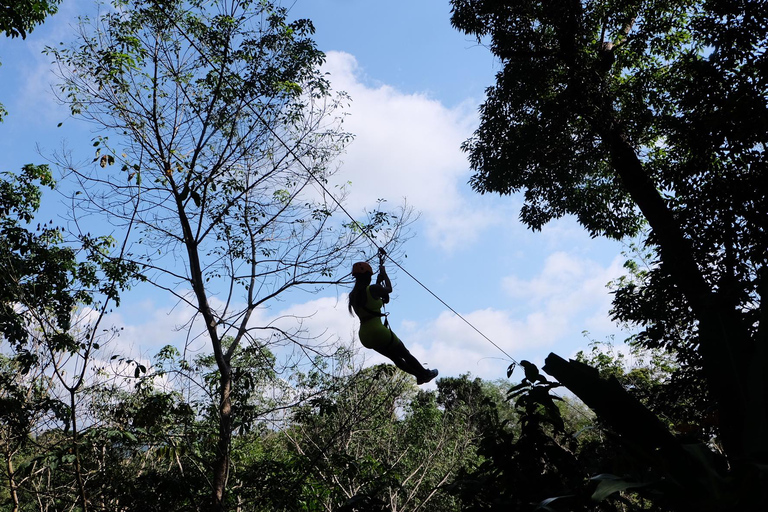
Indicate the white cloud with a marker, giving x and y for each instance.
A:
(325, 320)
(408, 146)
(550, 311)
(446, 342)
(454, 347)
(570, 291)
(149, 325)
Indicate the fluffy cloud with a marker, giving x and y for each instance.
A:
(148, 325)
(454, 347)
(547, 311)
(29, 80)
(408, 146)
(570, 292)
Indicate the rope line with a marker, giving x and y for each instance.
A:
(367, 235)
(454, 311)
(269, 128)
(373, 242)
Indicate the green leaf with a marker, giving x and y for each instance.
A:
(610, 484)
(517, 387)
(544, 505)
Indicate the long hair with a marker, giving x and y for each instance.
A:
(357, 296)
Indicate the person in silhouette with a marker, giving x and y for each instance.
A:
(366, 301)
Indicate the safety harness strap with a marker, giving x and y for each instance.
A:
(376, 314)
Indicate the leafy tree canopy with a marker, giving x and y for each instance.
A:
(647, 119)
(45, 279)
(19, 17)
(217, 123)
(682, 81)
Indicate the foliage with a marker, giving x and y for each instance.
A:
(36, 270)
(168, 426)
(648, 118)
(519, 463)
(19, 17)
(654, 377)
(359, 440)
(549, 460)
(372, 442)
(54, 297)
(44, 278)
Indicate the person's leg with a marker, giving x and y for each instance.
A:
(381, 339)
(402, 358)
(417, 368)
(399, 362)
(423, 375)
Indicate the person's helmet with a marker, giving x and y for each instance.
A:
(360, 268)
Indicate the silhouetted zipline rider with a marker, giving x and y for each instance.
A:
(366, 300)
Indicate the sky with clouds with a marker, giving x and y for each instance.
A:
(415, 85)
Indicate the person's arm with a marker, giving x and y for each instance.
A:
(383, 286)
(383, 280)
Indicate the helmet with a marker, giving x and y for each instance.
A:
(361, 267)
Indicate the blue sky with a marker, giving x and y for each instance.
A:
(415, 84)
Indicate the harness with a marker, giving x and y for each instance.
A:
(379, 314)
(375, 314)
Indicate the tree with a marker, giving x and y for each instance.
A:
(627, 113)
(25, 400)
(225, 136)
(371, 442)
(655, 378)
(21, 16)
(522, 462)
(157, 437)
(55, 295)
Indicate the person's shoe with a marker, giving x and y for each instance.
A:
(428, 376)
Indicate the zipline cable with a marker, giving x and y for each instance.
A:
(248, 103)
(454, 311)
(375, 244)
(367, 235)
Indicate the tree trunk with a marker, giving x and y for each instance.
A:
(221, 463)
(221, 460)
(81, 494)
(690, 472)
(724, 339)
(12, 487)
